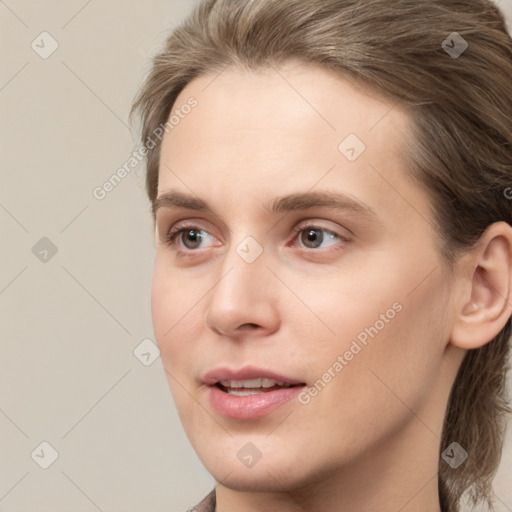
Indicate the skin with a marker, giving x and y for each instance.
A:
(370, 439)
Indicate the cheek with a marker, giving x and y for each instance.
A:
(334, 311)
(175, 309)
(399, 344)
(390, 335)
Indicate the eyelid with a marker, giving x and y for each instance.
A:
(185, 223)
(342, 240)
(317, 224)
(177, 230)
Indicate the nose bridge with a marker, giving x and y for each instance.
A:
(239, 296)
(244, 266)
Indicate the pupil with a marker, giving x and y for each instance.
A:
(194, 238)
(313, 237)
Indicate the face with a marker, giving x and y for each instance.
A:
(292, 246)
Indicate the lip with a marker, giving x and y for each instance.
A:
(247, 372)
(251, 406)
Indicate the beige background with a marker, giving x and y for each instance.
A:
(69, 325)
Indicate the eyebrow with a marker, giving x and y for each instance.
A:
(288, 203)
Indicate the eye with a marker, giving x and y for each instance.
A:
(315, 237)
(189, 237)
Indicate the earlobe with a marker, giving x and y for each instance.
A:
(487, 306)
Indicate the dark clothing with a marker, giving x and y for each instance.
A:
(207, 505)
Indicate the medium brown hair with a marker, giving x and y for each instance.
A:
(461, 109)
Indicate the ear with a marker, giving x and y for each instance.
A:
(486, 302)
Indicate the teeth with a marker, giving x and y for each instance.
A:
(254, 383)
(244, 392)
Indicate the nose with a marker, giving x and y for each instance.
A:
(244, 299)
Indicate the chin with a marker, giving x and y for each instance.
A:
(270, 474)
(266, 479)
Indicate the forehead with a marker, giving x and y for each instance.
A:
(244, 110)
(273, 97)
(289, 127)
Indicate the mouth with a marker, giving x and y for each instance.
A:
(250, 387)
(249, 392)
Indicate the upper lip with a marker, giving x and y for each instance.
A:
(247, 372)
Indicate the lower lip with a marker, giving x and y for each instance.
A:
(250, 406)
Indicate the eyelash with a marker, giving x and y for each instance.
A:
(311, 227)
(176, 231)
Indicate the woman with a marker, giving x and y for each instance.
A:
(333, 272)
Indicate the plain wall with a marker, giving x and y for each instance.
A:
(70, 321)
